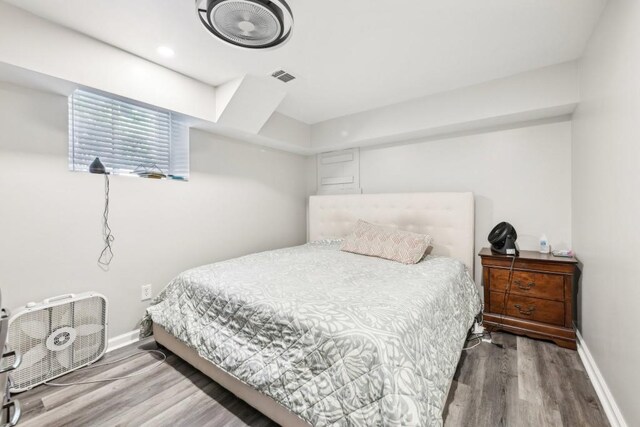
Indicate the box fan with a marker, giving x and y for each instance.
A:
(57, 336)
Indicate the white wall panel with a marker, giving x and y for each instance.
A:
(338, 172)
(606, 206)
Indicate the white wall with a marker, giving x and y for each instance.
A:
(57, 51)
(240, 199)
(519, 175)
(532, 95)
(606, 206)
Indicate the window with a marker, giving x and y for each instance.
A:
(129, 138)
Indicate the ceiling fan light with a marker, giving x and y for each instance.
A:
(254, 24)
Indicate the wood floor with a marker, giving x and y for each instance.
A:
(526, 383)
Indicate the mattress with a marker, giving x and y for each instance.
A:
(339, 339)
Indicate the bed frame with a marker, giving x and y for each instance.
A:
(447, 217)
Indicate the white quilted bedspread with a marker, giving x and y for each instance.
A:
(338, 338)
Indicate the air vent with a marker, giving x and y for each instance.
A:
(283, 76)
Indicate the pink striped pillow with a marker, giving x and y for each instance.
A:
(385, 242)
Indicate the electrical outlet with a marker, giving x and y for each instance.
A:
(146, 291)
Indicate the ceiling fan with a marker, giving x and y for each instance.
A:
(253, 24)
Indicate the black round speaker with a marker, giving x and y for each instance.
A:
(254, 24)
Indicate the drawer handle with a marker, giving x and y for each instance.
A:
(523, 286)
(528, 312)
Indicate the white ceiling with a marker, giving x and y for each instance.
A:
(349, 56)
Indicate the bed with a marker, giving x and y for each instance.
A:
(311, 335)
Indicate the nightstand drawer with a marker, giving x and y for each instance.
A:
(525, 283)
(539, 310)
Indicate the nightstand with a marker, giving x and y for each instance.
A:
(542, 299)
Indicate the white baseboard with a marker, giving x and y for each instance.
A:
(602, 390)
(123, 340)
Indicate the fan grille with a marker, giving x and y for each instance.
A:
(28, 334)
(246, 23)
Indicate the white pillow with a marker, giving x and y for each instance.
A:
(385, 242)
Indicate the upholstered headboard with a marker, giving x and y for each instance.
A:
(447, 217)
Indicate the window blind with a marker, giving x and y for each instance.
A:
(126, 136)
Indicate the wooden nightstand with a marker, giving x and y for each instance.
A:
(542, 299)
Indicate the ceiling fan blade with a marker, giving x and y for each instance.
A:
(36, 329)
(64, 357)
(84, 330)
(33, 356)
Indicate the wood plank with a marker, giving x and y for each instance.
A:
(191, 407)
(87, 408)
(525, 383)
(454, 412)
(472, 374)
(569, 389)
(112, 404)
(529, 381)
(160, 402)
(499, 387)
(543, 403)
(62, 395)
(533, 415)
(45, 398)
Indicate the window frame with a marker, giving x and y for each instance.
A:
(131, 122)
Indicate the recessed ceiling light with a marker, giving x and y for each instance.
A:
(166, 51)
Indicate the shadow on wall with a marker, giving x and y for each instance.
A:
(579, 296)
(483, 225)
(214, 154)
(51, 115)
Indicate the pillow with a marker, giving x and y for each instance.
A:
(385, 242)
